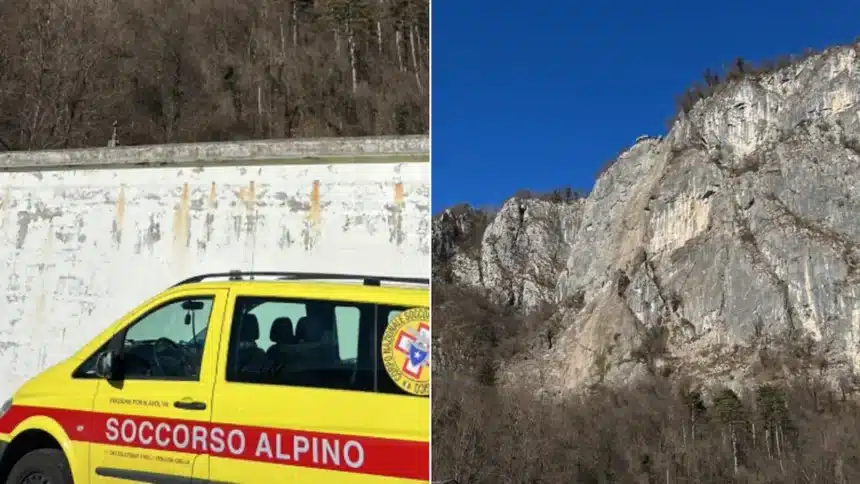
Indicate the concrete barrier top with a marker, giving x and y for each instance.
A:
(383, 149)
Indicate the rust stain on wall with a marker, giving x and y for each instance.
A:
(251, 198)
(120, 206)
(213, 197)
(314, 214)
(395, 216)
(248, 195)
(181, 227)
(310, 234)
(398, 194)
(210, 217)
(120, 216)
(251, 208)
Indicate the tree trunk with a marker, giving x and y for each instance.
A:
(295, 23)
(767, 443)
(779, 448)
(692, 426)
(259, 109)
(283, 37)
(398, 40)
(734, 447)
(414, 57)
(379, 28)
(351, 42)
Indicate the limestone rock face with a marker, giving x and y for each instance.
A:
(516, 253)
(707, 251)
(456, 245)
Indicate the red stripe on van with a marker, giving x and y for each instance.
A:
(337, 452)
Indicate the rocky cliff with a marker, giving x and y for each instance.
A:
(516, 253)
(728, 249)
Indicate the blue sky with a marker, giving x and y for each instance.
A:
(539, 94)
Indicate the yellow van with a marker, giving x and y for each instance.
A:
(239, 377)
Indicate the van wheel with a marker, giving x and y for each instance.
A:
(41, 466)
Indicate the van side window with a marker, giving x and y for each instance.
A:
(164, 344)
(309, 343)
(347, 321)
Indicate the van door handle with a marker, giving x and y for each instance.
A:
(187, 405)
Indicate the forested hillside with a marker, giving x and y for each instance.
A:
(210, 70)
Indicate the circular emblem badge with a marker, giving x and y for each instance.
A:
(406, 351)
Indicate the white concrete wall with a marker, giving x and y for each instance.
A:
(79, 247)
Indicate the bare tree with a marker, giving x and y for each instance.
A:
(211, 70)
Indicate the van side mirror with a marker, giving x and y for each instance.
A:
(108, 365)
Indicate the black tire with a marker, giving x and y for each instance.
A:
(41, 466)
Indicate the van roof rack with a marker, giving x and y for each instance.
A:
(302, 276)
